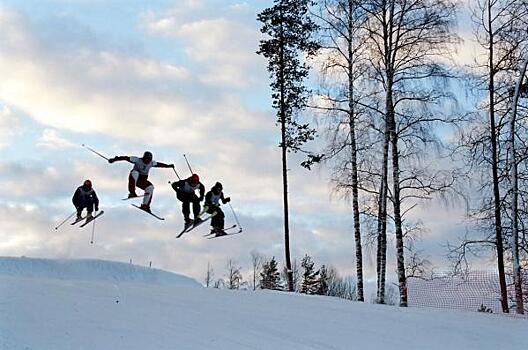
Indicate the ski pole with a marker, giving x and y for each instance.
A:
(186, 161)
(175, 172)
(63, 222)
(236, 218)
(93, 232)
(94, 151)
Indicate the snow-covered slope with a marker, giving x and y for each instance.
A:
(89, 270)
(49, 311)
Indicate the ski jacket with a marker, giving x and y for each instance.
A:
(212, 199)
(81, 194)
(185, 186)
(140, 166)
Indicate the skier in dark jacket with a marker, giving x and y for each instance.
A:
(139, 176)
(212, 203)
(186, 193)
(85, 197)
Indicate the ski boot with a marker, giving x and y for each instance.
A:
(188, 223)
(145, 207)
(219, 232)
(132, 195)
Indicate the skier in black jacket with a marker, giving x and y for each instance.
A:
(85, 197)
(212, 203)
(185, 192)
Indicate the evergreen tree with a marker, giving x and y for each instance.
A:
(270, 276)
(289, 28)
(322, 282)
(309, 283)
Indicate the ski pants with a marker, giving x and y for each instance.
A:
(141, 181)
(187, 199)
(217, 220)
(85, 202)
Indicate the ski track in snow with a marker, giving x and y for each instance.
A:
(94, 304)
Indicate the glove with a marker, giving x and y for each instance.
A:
(171, 166)
(201, 198)
(111, 160)
(228, 199)
(96, 208)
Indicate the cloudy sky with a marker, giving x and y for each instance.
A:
(171, 77)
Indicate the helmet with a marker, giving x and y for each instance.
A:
(218, 186)
(195, 179)
(147, 155)
(87, 183)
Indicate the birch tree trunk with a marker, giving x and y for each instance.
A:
(515, 201)
(495, 165)
(353, 149)
(382, 218)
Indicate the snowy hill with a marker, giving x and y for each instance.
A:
(90, 304)
(89, 270)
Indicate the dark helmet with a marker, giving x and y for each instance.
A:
(87, 183)
(218, 186)
(195, 179)
(147, 155)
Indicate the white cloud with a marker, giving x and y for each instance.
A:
(225, 45)
(8, 126)
(86, 90)
(50, 138)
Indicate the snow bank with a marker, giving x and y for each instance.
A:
(56, 313)
(89, 270)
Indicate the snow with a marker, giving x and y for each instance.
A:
(89, 270)
(95, 304)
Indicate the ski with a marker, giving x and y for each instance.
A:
(148, 212)
(193, 226)
(226, 229)
(227, 234)
(92, 219)
(185, 228)
(140, 196)
(78, 220)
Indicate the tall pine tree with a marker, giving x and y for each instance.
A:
(288, 27)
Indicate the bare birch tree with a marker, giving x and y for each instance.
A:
(234, 276)
(209, 275)
(342, 40)
(490, 148)
(406, 40)
(257, 260)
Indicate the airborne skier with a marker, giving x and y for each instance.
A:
(139, 176)
(85, 198)
(212, 203)
(185, 192)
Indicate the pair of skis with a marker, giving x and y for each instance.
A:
(189, 228)
(225, 231)
(87, 220)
